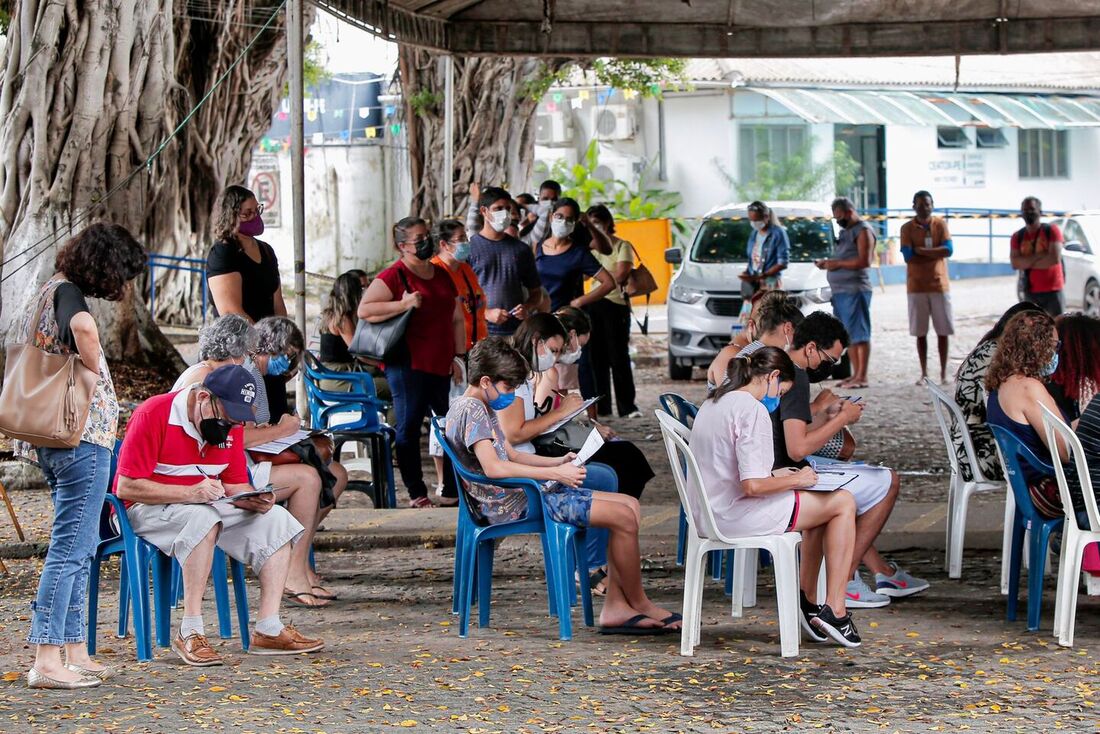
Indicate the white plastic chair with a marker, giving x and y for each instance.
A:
(1074, 537)
(960, 491)
(784, 548)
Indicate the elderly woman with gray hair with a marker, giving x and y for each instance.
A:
(274, 346)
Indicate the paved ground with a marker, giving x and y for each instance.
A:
(943, 661)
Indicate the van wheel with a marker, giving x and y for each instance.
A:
(677, 371)
(1092, 298)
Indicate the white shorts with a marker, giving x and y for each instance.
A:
(934, 306)
(871, 485)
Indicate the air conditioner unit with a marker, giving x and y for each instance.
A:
(545, 158)
(615, 122)
(618, 167)
(554, 128)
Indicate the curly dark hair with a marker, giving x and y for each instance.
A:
(1078, 368)
(1025, 348)
(227, 213)
(101, 260)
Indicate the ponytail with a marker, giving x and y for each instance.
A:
(763, 361)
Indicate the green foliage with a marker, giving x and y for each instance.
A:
(425, 102)
(314, 71)
(798, 177)
(645, 201)
(645, 76)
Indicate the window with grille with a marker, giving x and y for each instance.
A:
(1044, 154)
(772, 143)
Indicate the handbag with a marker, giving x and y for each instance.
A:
(639, 282)
(569, 437)
(46, 397)
(379, 340)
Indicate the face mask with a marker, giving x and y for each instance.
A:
(820, 373)
(253, 227)
(499, 220)
(215, 430)
(758, 226)
(546, 203)
(1031, 218)
(543, 361)
(425, 248)
(843, 223)
(770, 402)
(561, 228)
(502, 400)
(1051, 367)
(570, 357)
(278, 365)
(462, 252)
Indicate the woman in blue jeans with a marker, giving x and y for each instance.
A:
(99, 262)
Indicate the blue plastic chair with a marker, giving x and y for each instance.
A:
(363, 426)
(1027, 519)
(562, 546)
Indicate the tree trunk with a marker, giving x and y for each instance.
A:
(90, 89)
(494, 125)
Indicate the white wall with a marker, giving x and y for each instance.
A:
(356, 186)
(698, 137)
(912, 155)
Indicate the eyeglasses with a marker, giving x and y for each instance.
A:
(826, 357)
(415, 242)
(246, 215)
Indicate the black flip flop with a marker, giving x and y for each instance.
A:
(326, 597)
(594, 580)
(672, 619)
(629, 627)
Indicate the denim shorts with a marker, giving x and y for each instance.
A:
(854, 311)
(570, 506)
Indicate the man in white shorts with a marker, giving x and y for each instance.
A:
(183, 452)
(926, 245)
(798, 433)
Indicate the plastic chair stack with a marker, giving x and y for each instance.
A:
(1074, 537)
(701, 540)
(959, 490)
(1026, 519)
(563, 549)
(353, 417)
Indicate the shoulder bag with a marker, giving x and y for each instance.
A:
(639, 282)
(376, 341)
(46, 397)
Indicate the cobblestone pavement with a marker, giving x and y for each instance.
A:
(942, 661)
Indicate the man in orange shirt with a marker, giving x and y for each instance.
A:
(1037, 255)
(454, 248)
(926, 245)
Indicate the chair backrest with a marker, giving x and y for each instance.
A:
(1012, 449)
(1057, 428)
(106, 528)
(679, 408)
(363, 393)
(686, 475)
(948, 414)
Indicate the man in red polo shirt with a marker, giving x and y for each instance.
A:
(1037, 254)
(182, 456)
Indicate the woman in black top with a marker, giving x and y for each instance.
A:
(243, 273)
(337, 328)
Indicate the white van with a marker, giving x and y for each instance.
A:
(705, 293)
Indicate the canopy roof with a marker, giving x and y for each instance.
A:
(728, 28)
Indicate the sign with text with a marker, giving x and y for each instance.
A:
(957, 170)
(265, 183)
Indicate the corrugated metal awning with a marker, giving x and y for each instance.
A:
(961, 109)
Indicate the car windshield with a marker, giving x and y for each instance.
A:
(726, 240)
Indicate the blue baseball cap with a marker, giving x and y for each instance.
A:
(235, 388)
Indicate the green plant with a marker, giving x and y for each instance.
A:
(314, 71)
(797, 177)
(645, 76)
(425, 102)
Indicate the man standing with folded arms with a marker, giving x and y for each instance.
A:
(926, 245)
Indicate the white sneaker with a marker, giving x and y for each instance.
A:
(860, 596)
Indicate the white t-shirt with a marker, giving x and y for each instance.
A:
(525, 393)
(732, 442)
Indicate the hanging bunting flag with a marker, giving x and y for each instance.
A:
(655, 88)
(372, 132)
(576, 102)
(282, 115)
(551, 107)
(602, 97)
(583, 94)
(345, 135)
(363, 112)
(318, 138)
(390, 110)
(338, 113)
(311, 115)
(558, 97)
(395, 129)
(629, 94)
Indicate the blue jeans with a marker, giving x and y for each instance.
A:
(600, 478)
(78, 483)
(415, 393)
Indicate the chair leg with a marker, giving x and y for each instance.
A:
(681, 538)
(548, 566)
(1073, 578)
(1035, 576)
(950, 512)
(456, 585)
(1015, 561)
(240, 597)
(580, 554)
(693, 602)
(559, 535)
(1006, 539)
(136, 569)
(123, 598)
(786, 589)
(484, 581)
(469, 563)
(93, 599)
(737, 598)
(14, 519)
(752, 566)
(958, 513)
(221, 594)
(162, 593)
(1069, 540)
(822, 584)
(700, 586)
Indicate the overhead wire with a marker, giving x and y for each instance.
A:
(50, 240)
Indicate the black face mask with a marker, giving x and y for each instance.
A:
(843, 223)
(215, 430)
(822, 372)
(425, 249)
(1030, 218)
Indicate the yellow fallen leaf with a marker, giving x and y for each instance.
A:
(235, 697)
(912, 634)
(12, 675)
(408, 723)
(217, 689)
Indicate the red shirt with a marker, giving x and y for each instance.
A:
(430, 333)
(163, 445)
(1040, 280)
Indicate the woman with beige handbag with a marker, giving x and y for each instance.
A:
(58, 361)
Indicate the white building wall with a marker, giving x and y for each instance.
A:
(353, 194)
(700, 143)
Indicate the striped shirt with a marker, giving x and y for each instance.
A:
(163, 445)
(1088, 431)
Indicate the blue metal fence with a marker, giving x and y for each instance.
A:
(171, 262)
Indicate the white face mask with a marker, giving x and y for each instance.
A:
(570, 357)
(561, 227)
(499, 220)
(544, 360)
(758, 226)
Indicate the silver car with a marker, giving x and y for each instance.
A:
(705, 293)
(1081, 233)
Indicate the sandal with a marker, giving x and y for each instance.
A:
(596, 582)
(630, 627)
(326, 597)
(421, 503)
(295, 599)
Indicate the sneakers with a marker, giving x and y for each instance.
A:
(287, 642)
(860, 596)
(843, 630)
(901, 583)
(807, 610)
(195, 650)
(633, 414)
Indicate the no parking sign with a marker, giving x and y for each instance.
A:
(267, 186)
